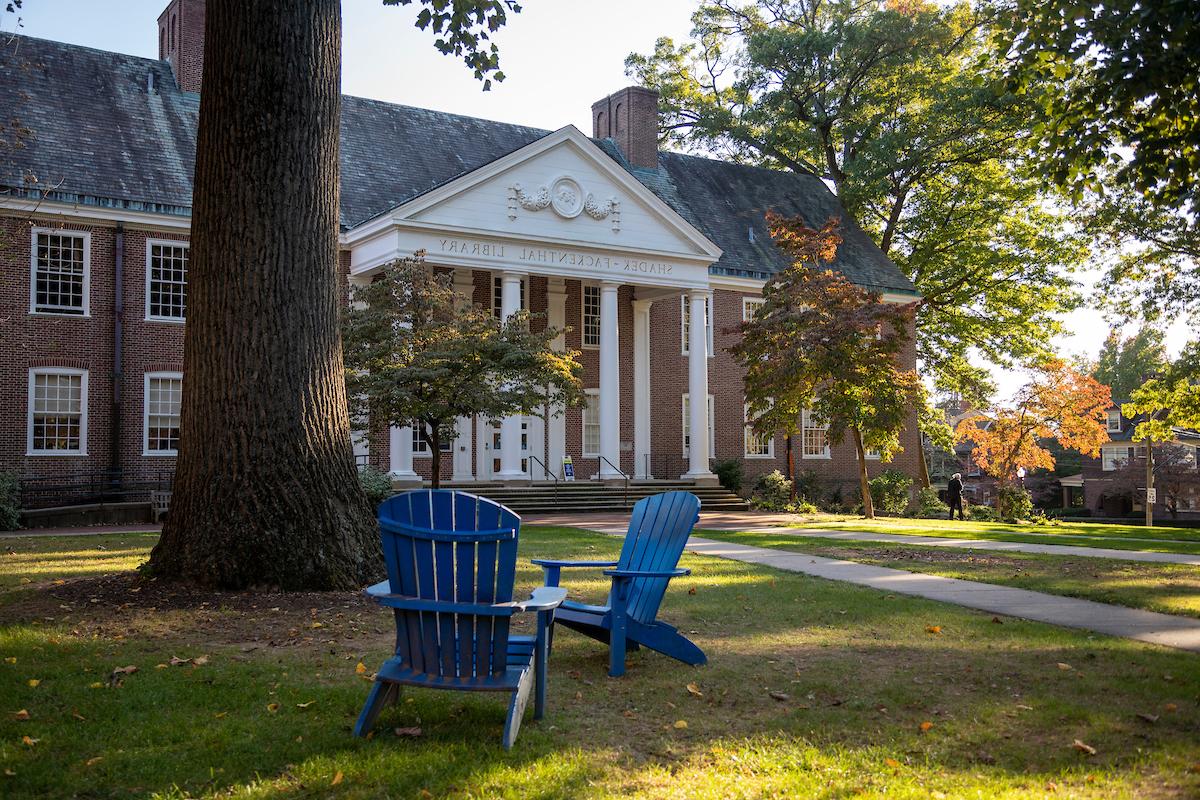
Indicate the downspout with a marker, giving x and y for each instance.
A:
(118, 370)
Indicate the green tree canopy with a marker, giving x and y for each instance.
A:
(897, 109)
(1171, 401)
(1126, 362)
(418, 352)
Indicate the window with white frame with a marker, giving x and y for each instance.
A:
(591, 316)
(1114, 420)
(57, 411)
(757, 445)
(751, 306)
(498, 296)
(1115, 457)
(814, 439)
(686, 323)
(687, 427)
(591, 423)
(420, 446)
(166, 280)
(871, 454)
(60, 272)
(161, 400)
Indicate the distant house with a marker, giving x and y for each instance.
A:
(978, 487)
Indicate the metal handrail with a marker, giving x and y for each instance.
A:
(621, 472)
(545, 471)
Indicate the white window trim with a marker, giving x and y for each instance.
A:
(756, 302)
(583, 426)
(146, 451)
(748, 432)
(169, 243)
(523, 294)
(87, 272)
(583, 316)
(1109, 420)
(686, 417)
(83, 412)
(871, 455)
(804, 416)
(685, 334)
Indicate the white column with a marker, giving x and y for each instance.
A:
(641, 388)
(698, 387)
(510, 427)
(610, 383)
(401, 456)
(463, 458)
(556, 424)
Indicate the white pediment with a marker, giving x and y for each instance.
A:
(560, 188)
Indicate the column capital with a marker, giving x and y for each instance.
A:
(513, 274)
(556, 286)
(610, 286)
(642, 305)
(699, 293)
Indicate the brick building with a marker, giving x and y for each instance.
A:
(649, 259)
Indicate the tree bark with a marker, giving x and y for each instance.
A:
(922, 464)
(791, 466)
(435, 455)
(864, 482)
(266, 493)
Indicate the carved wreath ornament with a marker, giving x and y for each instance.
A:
(567, 199)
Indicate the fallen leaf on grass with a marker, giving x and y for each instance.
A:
(78, 716)
(360, 668)
(680, 724)
(692, 590)
(925, 726)
(305, 705)
(1170, 708)
(1086, 749)
(33, 682)
(780, 696)
(891, 762)
(22, 714)
(694, 690)
(1064, 667)
(272, 707)
(414, 731)
(337, 778)
(220, 715)
(10, 660)
(997, 620)
(9, 773)
(933, 628)
(161, 666)
(29, 741)
(628, 714)
(1151, 718)
(96, 685)
(91, 762)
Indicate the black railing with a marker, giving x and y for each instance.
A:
(101, 486)
(545, 471)
(621, 472)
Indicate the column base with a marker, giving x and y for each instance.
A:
(705, 478)
(510, 477)
(405, 480)
(465, 477)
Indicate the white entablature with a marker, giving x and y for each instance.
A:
(559, 206)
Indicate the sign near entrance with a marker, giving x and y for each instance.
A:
(1152, 496)
(568, 469)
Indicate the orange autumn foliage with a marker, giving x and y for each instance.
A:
(1059, 403)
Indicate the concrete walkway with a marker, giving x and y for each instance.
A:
(748, 522)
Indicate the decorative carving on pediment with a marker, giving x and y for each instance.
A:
(567, 199)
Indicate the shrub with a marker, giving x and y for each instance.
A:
(929, 505)
(376, 484)
(772, 492)
(10, 501)
(982, 514)
(1013, 503)
(810, 486)
(890, 492)
(729, 473)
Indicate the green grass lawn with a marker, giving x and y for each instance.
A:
(813, 689)
(1167, 588)
(1082, 534)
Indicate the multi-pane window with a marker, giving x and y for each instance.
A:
(1115, 457)
(498, 296)
(872, 454)
(166, 280)
(60, 272)
(164, 394)
(591, 424)
(57, 411)
(591, 316)
(814, 437)
(420, 447)
(1114, 420)
(686, 323)
(757, 445)
(687, 426)
(751, 306)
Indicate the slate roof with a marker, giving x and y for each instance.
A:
(100, 136)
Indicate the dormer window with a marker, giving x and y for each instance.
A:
(1114, 420)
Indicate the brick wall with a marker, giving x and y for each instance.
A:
(181, 41)
(630, 118)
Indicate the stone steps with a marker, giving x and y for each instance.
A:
(589, 497)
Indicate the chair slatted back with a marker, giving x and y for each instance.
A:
(450, 546)
(658, 531)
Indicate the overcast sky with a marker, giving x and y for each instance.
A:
(559, 56)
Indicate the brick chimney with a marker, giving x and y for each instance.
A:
(181, 41)
(630, 118)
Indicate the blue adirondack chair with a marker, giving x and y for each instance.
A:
(658, 531)
(451, 559)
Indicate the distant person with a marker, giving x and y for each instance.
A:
(954, 495)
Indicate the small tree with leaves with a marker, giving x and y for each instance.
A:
(822, 343)
(418, 353)
(1059, 403)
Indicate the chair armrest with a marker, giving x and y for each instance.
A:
(544, 598)
(638, 573)
(548, 562)
(403, 602)
(378, 589)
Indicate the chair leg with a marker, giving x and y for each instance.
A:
(616, 647)
(540, 654)
(382, 693)
(516, 709)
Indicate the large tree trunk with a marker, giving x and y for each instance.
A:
(266, 493)
(864, 482)
(791, 466)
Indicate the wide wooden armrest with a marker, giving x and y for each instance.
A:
(641, 573)
(381, 588)
(380, 594)
(544, 598)
(548, 562)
